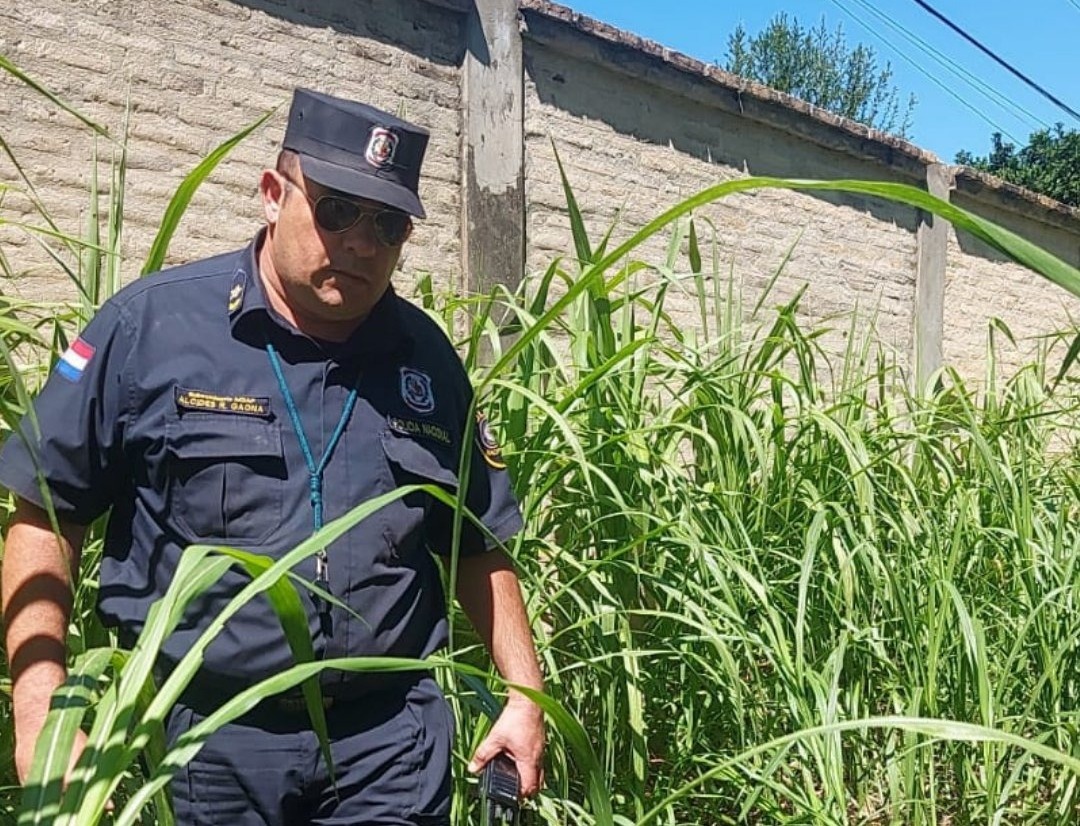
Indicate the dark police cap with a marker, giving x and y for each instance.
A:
(358, 149)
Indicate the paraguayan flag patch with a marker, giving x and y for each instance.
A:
(75, 358)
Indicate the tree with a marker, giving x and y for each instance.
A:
(1049, 164)
(817, 66)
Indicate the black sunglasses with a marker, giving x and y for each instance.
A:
(337, 214)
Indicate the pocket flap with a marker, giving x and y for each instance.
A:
(417, 459)
(213, 436)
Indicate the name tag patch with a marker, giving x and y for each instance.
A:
(216, 403)
(427, 430)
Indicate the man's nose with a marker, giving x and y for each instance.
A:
(359, 239)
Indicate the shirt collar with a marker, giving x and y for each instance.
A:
(381, 333)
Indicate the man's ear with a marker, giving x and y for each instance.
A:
(272, 191)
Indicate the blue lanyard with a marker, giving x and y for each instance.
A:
(315, 471)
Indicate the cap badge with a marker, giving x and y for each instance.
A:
(416, 390)
(381, 147)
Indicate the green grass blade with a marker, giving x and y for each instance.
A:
(43, 793)
(1019, 249)
(14, 70)
(939, 729)
(577, 223)
(184, 193)
(189, 743)
(290, 610)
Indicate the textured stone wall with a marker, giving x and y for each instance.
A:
(189, 74)
(981, 285)
(636, 154)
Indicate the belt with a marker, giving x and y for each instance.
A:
(294, 702)
(288, 710)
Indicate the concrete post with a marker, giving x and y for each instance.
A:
(493, 148)
(932, 241)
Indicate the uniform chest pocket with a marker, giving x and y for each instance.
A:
(415, 463)
(419, 520)
(226, 476)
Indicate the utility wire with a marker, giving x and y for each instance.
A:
(1075, 4)
(973, 80)
(989, 53)
(944, 87)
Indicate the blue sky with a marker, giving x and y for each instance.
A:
(1041, 38)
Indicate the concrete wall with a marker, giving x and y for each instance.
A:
(637, 127)
(981, 285)
(630, 155)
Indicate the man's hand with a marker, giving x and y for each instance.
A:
(488, 590)
(519, 732)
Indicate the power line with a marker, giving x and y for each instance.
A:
(989, 53)
(1076, 4)
(944, 87)
(971, 79)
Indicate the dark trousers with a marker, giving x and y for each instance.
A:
(391, 754)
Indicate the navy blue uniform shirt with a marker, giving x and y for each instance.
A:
(167, 410)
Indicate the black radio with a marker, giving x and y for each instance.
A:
(500, 787)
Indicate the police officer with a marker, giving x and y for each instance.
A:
(245, 400)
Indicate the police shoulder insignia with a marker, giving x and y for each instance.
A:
(416, 390)
(487, 443)
(236, 291)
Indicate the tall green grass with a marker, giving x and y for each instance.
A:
(764, 569)
(770, 585)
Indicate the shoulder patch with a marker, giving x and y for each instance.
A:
(75, 358)
(489, 446)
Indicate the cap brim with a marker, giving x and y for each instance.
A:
(361, 184)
